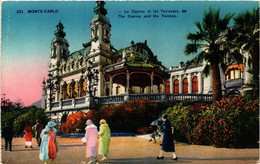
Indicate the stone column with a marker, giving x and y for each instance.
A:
(171, 85)
(189, 84)
(163, 86)
(180, 84)
(110, 86)
(200, 83)
(127, 82)
(78, 89)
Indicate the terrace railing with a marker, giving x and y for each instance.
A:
(86, 103)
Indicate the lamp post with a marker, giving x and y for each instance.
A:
(92, 77)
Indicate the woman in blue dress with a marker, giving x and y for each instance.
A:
(44, 145)
(168, 140)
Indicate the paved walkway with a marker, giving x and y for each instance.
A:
(129, 150)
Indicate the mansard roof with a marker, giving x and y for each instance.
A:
(83, 52)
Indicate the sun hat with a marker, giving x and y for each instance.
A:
(51, 124)
(89, 122)
(102, 121)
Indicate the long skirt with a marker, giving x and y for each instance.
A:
(91, 152)
(44, 148)
(52, 146)
(28, 138)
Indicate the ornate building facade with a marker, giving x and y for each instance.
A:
(100, 74)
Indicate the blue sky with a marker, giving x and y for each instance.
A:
(26, 37)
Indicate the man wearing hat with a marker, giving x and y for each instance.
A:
(104, 138)
(168, 141)
(38, 130)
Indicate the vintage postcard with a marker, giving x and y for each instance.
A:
(72, 56)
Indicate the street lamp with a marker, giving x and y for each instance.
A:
(92, 77)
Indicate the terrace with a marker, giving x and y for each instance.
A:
(92, 102)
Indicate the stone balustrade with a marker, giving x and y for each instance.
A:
(82, 103)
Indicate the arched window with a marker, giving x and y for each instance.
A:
(167, 87)
(176, 86)
(195, 85)
(83, 88)
(67, 92)
(185, 85)
(75, 92)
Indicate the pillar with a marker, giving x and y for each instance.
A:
(189, 84)
(180, 84)
(127, 82)
(171, 85)
(200, 83)
(110, 86)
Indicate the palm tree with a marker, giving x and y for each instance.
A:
(210, 44)
(245, 35)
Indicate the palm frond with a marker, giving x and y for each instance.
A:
(223, 67)
(206, 70)
(191, 48)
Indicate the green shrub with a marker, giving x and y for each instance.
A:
(229, 123)
(125, 117)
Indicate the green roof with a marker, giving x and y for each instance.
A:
(137, 61)
(84, 52)
(119, 52)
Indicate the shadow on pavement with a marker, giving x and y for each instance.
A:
(180, 160)
(72, 145)
(143, 160)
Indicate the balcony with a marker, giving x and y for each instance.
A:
(234, 83)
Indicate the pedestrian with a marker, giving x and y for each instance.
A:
(168, 141)
(8, 133)
(104, 138)
(49, 145)
(28, 135)
(91, 136)
(38, 129)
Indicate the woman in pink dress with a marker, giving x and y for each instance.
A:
(28, 135)
(91, 136)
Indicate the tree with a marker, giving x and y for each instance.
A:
(6, 104)
(30, 115)
(210, 41)
(245, 36)
(18, 104)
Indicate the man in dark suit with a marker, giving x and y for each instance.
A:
(8, 136)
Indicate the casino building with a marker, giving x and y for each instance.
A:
(100, 74)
